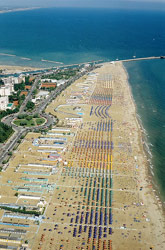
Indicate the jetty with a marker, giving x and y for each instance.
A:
(142, 58)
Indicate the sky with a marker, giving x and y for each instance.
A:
(151, 4)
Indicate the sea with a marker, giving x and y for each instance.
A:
(62, 36)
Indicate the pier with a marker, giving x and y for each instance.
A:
(142, 58)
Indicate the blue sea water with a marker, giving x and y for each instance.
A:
(147, 80)
(80, 35)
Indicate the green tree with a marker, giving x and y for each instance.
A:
(35, 92)
(29, 117)
(30, 105)
(22, 116)
(5, 132)
(23, 123)
(27, 78)
(36, 115)
(1, 82)
(19, 86)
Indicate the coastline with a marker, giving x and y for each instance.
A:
(152, 195)
(17, 69)
(119, 171)
(128, 131)
(146, 148)
(18, 9)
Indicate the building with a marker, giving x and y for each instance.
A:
(24, 93)
(16, 103)
(14, 80)
(5, 90)
(50, 80)
(8, 80)
(60, 82)
(31, 79)
(48, 85)
(28, 87)
(3, 102)
(42, 94)
(8, 239)
(21, 78)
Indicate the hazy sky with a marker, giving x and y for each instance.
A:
(86, 3)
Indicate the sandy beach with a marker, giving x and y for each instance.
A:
(7, 69)
(90, 173)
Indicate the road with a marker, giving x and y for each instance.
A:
(19, 131)
(29, 96)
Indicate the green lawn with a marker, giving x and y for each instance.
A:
(29, 123)
(24, 122)
(40, 121)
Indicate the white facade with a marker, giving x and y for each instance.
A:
(60, 82)
(13, 80)
(19, 79)
(5, 90)
(3, 102)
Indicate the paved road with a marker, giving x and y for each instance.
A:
(29, 96)
(19, 131)
(10, 144)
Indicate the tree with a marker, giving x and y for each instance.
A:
(1, 82)
(5, 132)
(29, 117)
(30, 105)
(22, 97)
(52, 88)
(35, 92)
(36, 115)
(16, 109)
(27, 78)
(19, 86)
(22, 116)
(23, 123)
(4, 162)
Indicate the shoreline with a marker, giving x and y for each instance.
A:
(128, 132)
(146, 147)
(151, 196)
(144, 141)
(117, 170)
(9, 69)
